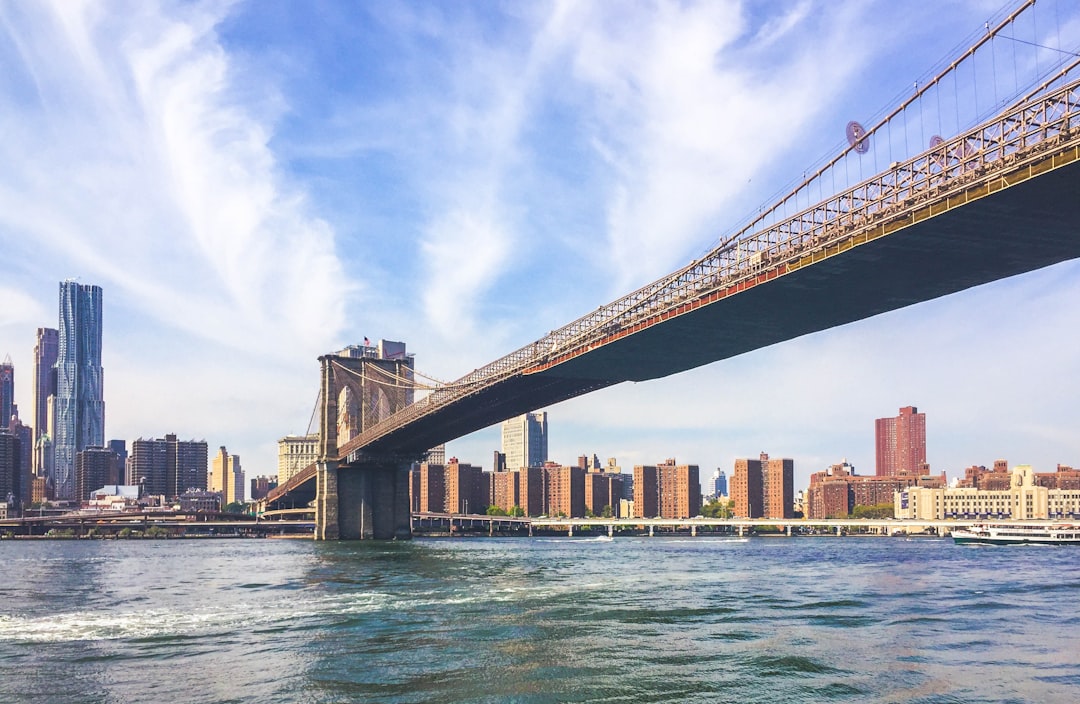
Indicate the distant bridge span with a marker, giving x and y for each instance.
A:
(999, 200)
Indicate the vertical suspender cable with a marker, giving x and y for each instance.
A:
(934, 81)
(993, 70)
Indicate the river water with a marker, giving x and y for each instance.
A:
(538, 620)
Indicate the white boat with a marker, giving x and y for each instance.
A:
(1018, 534)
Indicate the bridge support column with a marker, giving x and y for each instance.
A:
(789, 531)
(570, 530)
(368, 501)
(740, 531)
(611, 530)
(650, 531)
(693, 531)
(326, 501)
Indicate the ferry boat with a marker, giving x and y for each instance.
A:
(1013, 534)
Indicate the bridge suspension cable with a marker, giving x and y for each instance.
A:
(870, 132)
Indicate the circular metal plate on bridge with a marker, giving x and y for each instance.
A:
(856, 137)
(938, 157)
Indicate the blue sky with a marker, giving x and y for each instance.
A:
(256, 183)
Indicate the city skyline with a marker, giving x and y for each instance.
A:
(449, 212)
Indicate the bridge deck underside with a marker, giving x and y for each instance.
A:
(1016, 230)
(1022, 228)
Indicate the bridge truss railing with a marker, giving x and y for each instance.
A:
(1020, 134)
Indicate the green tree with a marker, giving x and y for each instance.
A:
(495, 511)
(876, 512)
(235, 507)
(589, 513)
(517, 512)
(717, 509)
(607, 511)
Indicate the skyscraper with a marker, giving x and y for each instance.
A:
(80, 404)
(719, 483)
(7, 391)
(525, 440)
(900, 443)
(45, 351)
(227, 477)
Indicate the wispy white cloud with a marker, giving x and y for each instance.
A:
(137, 164)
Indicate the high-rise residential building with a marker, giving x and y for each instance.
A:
(532, 485)
(147, 466)
(227, 477)
(778, 488)
(80, 403)
(646, 492)
(746, 488)
(603, 491)
(295, 452)
(506, 490)
(45, 352)
(525, 440)
(764, 488)
(566, 491)
(7, 391)
(900, 443)
(667, 490)
(468, 488)
(430, 488)
(190, 470)
(167, 466)
(95, 467)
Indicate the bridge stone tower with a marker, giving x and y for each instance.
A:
(361, 496)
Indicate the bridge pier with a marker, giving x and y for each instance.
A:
(368, 501)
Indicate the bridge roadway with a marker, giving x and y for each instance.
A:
(999, 200)
(740, 526)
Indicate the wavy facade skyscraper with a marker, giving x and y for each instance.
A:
(80, 404)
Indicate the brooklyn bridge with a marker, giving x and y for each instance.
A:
(999, 198)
